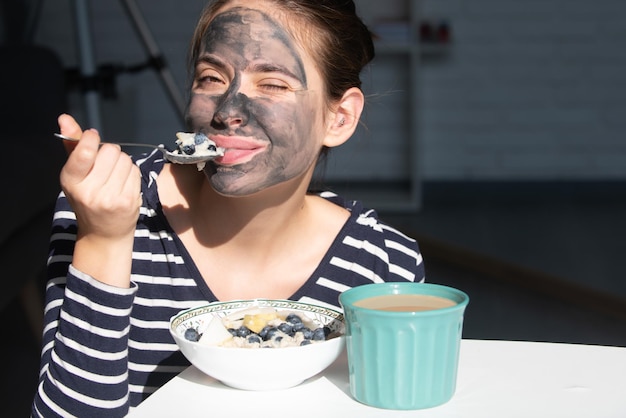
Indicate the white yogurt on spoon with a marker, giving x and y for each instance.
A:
(194, 146)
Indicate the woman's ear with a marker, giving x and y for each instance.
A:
(344, 120)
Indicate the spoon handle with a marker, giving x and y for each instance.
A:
(173, 157)
(123, 144)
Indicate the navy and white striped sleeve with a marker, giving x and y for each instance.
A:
(84, 362)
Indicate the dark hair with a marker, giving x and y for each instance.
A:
(330, 29)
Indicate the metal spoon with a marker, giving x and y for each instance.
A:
(172, 156)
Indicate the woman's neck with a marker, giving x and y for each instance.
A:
(191, 203)
(265, 245)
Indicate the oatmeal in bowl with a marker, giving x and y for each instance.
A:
(260, 344)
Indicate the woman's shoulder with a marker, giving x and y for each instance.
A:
(372, 244)
(365, 221)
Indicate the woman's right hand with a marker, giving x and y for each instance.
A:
(103, 186)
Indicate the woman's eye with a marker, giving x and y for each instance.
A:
(210, 80)
(273, 86)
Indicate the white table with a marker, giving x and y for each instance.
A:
(502, 379)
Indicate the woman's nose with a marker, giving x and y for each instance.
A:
(232, 111)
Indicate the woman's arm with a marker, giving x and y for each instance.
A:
(103, 187)
(84, 362)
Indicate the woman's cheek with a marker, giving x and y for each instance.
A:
(201, 110)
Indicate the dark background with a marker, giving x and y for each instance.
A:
(540, 258)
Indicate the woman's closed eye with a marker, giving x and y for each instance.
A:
(274, 86)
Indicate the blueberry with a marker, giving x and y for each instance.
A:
(254, 338)
(305, 342)
(232, 331)
(319, 335)
(268, 332)
(293, 319)
(192, 334)
(306, 333)
(212, 148)
(199, 138)
(326, 331)
(264, 331)
(188, 149)
(286, 328)
(242, 332)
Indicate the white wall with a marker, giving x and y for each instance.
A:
(530, 89)
(533, 89)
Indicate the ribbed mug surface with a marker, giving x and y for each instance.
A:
(403, 360)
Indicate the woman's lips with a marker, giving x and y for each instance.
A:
(239, 149)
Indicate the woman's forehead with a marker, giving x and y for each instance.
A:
(290, 23)
(253, 34)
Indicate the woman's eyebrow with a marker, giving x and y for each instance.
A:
(211, 59)
(273, 68)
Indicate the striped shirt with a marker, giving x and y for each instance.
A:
(106, 349)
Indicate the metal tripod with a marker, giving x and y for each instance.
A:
(89, 69)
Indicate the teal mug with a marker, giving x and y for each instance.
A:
(403, 341)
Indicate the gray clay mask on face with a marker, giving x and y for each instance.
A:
(251, 95)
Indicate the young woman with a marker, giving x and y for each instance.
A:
(135, 240)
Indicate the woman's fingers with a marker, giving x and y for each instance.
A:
(104, 189)
(71, 128)
(82, 159)
(101, 182)
(120, 177)
(111, 195)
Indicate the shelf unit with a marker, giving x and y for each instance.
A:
(404, 193)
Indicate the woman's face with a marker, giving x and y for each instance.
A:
(257, 94)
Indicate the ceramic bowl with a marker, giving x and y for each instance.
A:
(259, 368)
